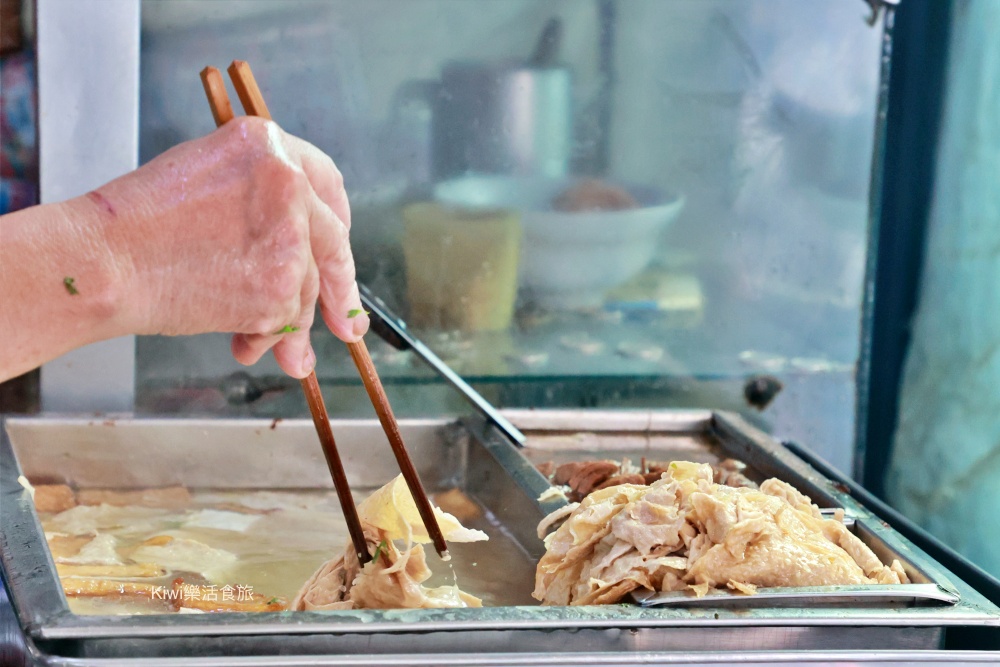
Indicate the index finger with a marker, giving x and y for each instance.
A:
(324, 177)
(339, 301)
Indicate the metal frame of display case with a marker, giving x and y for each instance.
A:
(88, 134)
(913, 117)
(896, 227)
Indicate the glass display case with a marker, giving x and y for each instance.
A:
(622, 206)
(573, 203)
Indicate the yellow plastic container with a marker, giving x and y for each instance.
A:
(461, 266)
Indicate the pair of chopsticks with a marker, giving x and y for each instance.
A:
(253, 105)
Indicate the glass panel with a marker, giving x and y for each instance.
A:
(574, 203)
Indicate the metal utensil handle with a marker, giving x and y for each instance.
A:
(393, 330)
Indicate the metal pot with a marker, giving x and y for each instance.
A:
(487, 118)
(503, 118)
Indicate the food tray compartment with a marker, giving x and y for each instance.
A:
(562, 436)
(226, 461)
(922, 591)
(470, 455)
(570, 436)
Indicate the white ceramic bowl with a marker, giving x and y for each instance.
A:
(570, 259)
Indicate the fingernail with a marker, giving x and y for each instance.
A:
(360, 324)
(309, 362)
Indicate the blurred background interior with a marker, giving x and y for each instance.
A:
(740, 205)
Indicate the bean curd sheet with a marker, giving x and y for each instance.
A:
(179, 551)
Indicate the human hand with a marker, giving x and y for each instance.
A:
(240, 231)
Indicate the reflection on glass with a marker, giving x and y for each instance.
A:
(686, 181)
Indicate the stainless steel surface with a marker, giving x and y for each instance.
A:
(221, 453)
(562, 435)
(973, 574)
(610, 641)
(804, 597)
(394, 331)
(234, 454)
(88, 126)
(832, 658)
(831, 513)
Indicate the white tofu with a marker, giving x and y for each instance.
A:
(102, 550)
(182, 554)
(221, 520)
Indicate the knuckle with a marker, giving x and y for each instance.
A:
(306, 318)
(340, 237)
(343, 261)
(254, 128)
(338, 273)
(336, 177)
(276, 271)
(247, 135)
(286, 284)
(287, 181)
(266, 325)
(291, 234)
(311, 294)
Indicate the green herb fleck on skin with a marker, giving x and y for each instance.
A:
(378, 550)
(70, 287)
(288, 328)
(354, 312)
(273, 600)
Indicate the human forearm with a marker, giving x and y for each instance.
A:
(241, 231)
(61, 285)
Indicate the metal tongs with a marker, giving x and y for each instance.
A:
(393, 331)
(253, 104)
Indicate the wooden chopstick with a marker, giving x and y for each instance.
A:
(253, 104)
(222, 111)
(246, 88)
(321, 420)
(373, 385)
(218, 99)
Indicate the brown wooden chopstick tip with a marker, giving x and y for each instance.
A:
(247, 89)
(218, 99)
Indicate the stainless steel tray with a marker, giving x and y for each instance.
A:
(477, 458)
(574, 436)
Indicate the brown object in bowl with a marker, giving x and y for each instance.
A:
(594, 195)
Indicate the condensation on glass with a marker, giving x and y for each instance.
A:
(643, 203)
